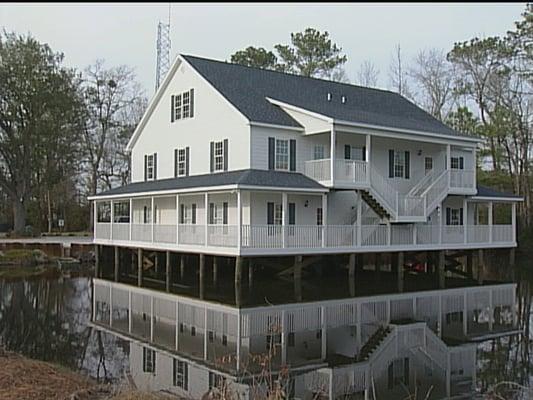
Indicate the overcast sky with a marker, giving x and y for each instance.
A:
(126, 33)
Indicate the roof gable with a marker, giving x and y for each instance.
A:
(249, 89)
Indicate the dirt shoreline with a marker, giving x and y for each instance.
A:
(22, 378)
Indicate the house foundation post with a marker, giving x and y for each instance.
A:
(480, 265)
(250, 274)
(97, 261)
(469, 264)
(441, 267)
(377, 265)
(168, 272)
(117, 262)
(201, 277)
(238, 280)
(139, 267)
(399, 269)
(215, 271)
(298, 278)
(351, 274)
(512, 257)
(182, 267)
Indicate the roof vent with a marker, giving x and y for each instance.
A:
(343, 99)
(329, 96)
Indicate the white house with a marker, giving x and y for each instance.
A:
(231, 161)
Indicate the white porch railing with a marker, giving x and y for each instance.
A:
(319, 170)
(462, 179)
(351, 171)
(409, 236)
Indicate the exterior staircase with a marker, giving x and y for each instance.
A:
(373, 343)
(374, 204)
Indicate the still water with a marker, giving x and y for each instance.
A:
(49, 320)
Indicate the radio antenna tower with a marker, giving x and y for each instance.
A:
(163, 51)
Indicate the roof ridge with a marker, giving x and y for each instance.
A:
(291, 74)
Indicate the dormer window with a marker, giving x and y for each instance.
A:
(182, 105)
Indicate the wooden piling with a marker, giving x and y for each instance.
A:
(168, 271)
(202, 275)
(139, 267)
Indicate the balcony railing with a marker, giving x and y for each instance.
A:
(306, 236)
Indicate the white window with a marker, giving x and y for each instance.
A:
(455, 216)
(319, 152)
(399, 164)
(219, 156)
(356, 153)
(177, 106)
(150, 167)
(181, 374)
(186, 105)
(181, 167)
(282, 154)
(187, 215)
(148, 360)
(457, 162)
(278, 214)
(428, 164)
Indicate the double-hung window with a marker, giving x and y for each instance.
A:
(318, 152)
(177, 106)
(278, 214)
(148, 360)
(150, 167)
(186, 104)
(181, 162)
(219, 156)
(181, 374)
(399, 164)
(457, 162)
(182, 105)
(282, 154)
(454, 216)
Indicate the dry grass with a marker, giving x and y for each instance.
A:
(26, 379)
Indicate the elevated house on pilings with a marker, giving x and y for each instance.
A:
(239, 169)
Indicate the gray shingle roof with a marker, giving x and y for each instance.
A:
(247, 177)
(247, 89)
(484, 191)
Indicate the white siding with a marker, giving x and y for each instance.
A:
(214, 119)
(311, 124)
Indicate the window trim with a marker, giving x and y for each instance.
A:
(278, 154)
(150, 169)
(218, 147)
(181, 163)
(181, 374)
(149, 360)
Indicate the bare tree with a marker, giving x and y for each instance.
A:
(111, 98)
(434, 78)
(398, 74)
(368, 74)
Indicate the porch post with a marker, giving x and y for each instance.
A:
(323, 337)
(206, 216)
(238, 361)
(359, 218)
(284, 217)
(152, 217)
(283, 337)
(324, 218)
(440, 225)
(239, 221)
(449, 162)
(465, 220)
(465, 314)
(177, 219)
(130, 317)
(513, 221)
(151, 318)
(490, 221)
(95, 217)
(112, 220)
(474, 166)
(367, 157)
(491, 311)
(131, 219)
(332, 154)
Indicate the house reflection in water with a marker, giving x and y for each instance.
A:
(380, 346)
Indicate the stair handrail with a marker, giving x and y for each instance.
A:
(435, 191)
(428, 177)
(386, 192)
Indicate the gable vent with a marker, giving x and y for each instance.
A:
(329, 96)
(343, 99)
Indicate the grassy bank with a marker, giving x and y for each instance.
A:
(23, 379)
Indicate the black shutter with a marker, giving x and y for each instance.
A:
(292, 213)
(225, 213)
(391, 163)
(193, 217)
(225, 154)
(155, 166)
(211, 213)
(212, 156)
(175, 163)
(182, 213)
(448, 215)
(364, 153)
(145, 167)
(187, 161)
(347, 152)
(292, 155)
(461, 222)
(191, 103)
(407, 165)
(461, 163)
(172, 108)
(270, 213)
(271, 150)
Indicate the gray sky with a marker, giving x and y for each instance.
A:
(126, 33)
